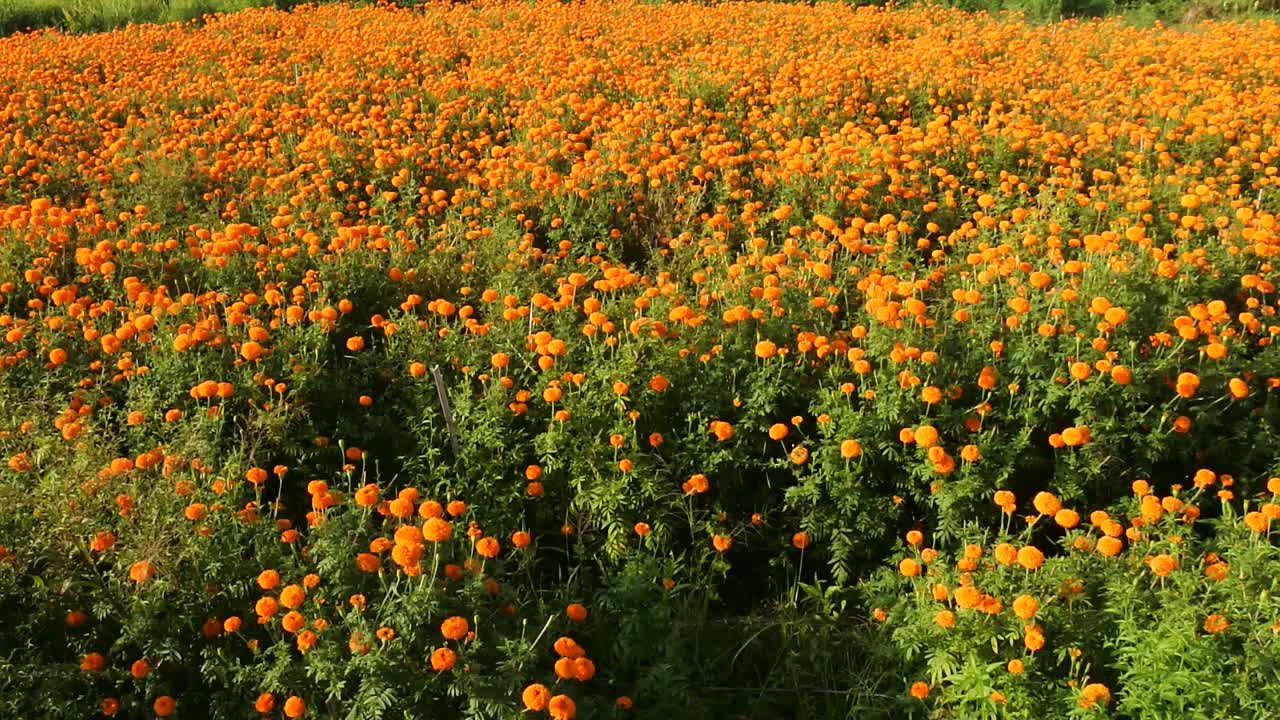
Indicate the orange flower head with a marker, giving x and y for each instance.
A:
(455, 628)
(142, 571)
(536, 697)
(164, 706)
(292, 596)
(1094, 694)
(443, 659)
(1030, 557)
(562, 707)
(1046, 503)
(488, 547)
(437, 530)
(1025, 607)
(1163, 564)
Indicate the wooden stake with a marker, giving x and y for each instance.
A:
(447, 409)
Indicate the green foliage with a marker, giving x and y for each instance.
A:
(1119, 622)
(83, 16)
(696, 343)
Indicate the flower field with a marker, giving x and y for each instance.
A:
(613, 360)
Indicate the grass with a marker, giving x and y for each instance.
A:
(83, 16)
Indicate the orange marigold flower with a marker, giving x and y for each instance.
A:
(1005, 554)
(562, 707)
(455, 628)
(920, 690)
(307, 640)
(1093, 694)
(1110, 546)
(1025, 607)
(443, 659)
(1163, 564)
(1256, 521)
(368, 562)
(583, 669)
(536, 697)
(292, 596)
(1046, 503)
(1066, 519)
(1187, 384)
(567, 647)
(266, 607)
(142, 571)
(1033, 638)
(367, 496)
(488, 547)
(1030, 557)
(102, 541)
(93, 662)
(437, 530)
(293, 621)
(926, 436)
(1215, 624)
(164, 706)
(968, 597)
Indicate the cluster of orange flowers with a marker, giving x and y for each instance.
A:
(538, 210)
(572, 664)
(1108, 533)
